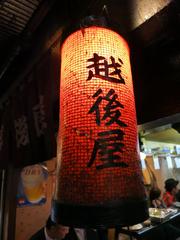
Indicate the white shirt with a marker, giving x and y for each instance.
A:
(46, 235)
(80, 233)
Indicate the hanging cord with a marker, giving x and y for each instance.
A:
(105, 13)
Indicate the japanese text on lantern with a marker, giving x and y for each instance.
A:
(109, 144)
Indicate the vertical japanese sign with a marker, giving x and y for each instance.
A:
(98, 129)
(40, 115)
(21, 147)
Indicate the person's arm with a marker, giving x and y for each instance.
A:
(154, 203)
(163, 204)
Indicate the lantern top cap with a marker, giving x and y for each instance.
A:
(85, 22)
(93, 21)
(89, 21)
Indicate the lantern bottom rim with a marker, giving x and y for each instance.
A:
(126, 212)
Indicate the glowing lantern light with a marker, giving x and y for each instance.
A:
(100, 179)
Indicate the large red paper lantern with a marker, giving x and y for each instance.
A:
(99, 176)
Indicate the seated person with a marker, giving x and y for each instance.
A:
(53, 231)
(169, 196)
(155, 198)
(168, 231)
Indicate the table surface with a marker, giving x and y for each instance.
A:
(147, 230)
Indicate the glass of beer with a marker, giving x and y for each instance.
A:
(32, 180)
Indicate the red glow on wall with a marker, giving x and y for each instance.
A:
(98, 129)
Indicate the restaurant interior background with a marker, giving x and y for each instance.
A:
(30, 41)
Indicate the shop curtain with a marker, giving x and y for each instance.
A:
(27, 124)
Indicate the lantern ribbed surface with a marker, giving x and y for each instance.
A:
(99, 161)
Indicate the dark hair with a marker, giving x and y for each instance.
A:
(154, 194)
(170, 183)
(50, 223)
